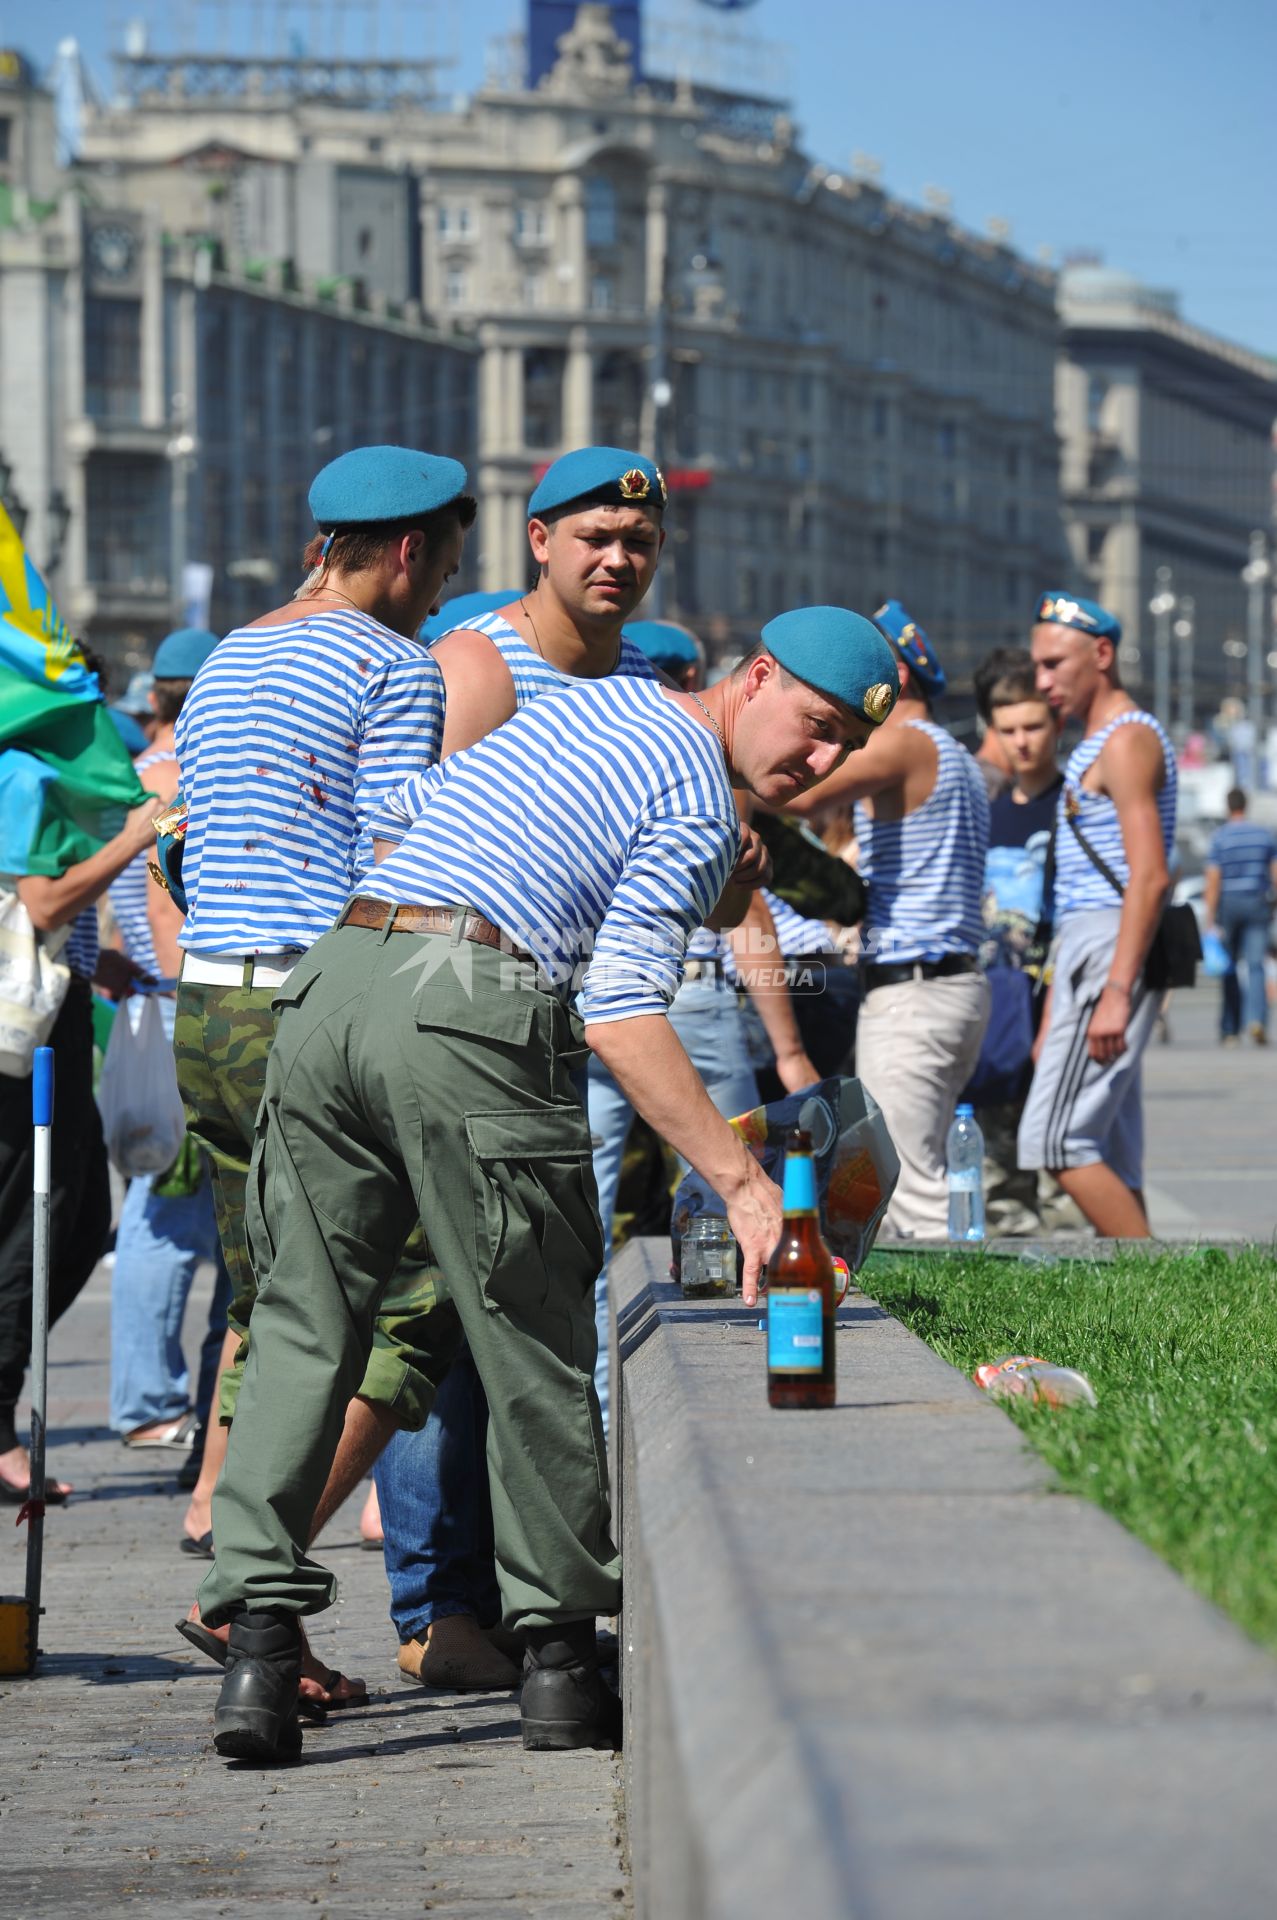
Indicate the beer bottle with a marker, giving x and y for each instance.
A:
(801, 1293)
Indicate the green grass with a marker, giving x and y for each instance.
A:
(1181, 1349)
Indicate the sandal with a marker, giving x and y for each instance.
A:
(201, 1548)
(55, 1494)
(175, 1433)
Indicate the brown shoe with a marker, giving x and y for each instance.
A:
(458, 1657)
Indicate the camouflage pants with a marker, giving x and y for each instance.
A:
(221, 1041)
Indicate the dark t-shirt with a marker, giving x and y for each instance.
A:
(1019, 836)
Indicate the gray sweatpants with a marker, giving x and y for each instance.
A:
(1078, 1112)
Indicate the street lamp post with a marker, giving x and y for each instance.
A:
(1162, 606)
(1256, 575)
(1184, 662)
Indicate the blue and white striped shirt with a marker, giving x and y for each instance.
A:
(925, 872)
(597, 827)
(288, 741)
(1079, 885)
(795, 934)
(129, 890)
(532, 675)
(1244, 854)
(83, 945)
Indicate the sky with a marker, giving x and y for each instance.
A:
(1144, 131)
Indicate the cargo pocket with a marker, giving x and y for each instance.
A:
(538, 1242)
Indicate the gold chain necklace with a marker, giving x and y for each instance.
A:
(722, 737)
(340, 595)
(536, 639)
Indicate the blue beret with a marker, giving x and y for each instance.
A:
(461, 608)
(912, 645)
(603, 476)
(180, 655)
(662, 640)
(841, 654)
(131, 734)
(1088, 616)
(372, 484)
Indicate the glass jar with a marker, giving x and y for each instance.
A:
(707, 1258)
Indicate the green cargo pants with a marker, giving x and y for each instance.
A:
(414, 1078)
(222, 1039)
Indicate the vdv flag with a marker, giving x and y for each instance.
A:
(65, 776)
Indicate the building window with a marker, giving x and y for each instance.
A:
(6, 129)
(531, 223)
(802, 459)
(455, 221)
(946, 439)
(112, 359)
(618, 399)
(949, 499)
(542, 397)
(1011, 587)
(364, 243)
(748, 590)
(1013, 522)
(600, 212)
(127, 523)
(1096, 394)
(602, 297)
(454, 287)
(531, 289)
(1013, 463)
(803, 392)
(878, 415)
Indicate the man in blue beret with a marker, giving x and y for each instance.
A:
(420, 1072)
(167, 1224)
(922, 825)
(294, 730)
(1115, 830)
(672, 650)
(595, 534)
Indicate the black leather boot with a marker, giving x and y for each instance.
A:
(565, 1701)
(256, 1714)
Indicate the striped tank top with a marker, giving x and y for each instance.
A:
(1079, 886)
(129, 889)
(533, 676)
(289, 740)
(597, 829)
(925, 872)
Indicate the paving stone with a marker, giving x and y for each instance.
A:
(110, 1793)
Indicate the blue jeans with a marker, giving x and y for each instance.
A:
(1243, 927)
(158, 1246)
(706, 1016)
(436, 1512)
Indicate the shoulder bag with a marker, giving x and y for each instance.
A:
(1177, 945)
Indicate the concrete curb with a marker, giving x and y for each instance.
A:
(874, 1665)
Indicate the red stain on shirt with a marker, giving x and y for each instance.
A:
(320, 798)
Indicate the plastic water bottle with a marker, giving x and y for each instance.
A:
(965, 1155)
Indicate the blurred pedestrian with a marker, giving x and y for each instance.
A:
(295, 731)
(922, 822)
(991, 755)
(167, 1224)
(1115, 829)
(1018, 906)
(1241, 876)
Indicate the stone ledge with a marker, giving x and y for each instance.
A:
(875, 1665)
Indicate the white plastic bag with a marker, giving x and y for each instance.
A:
(33, 984)
(141, 1108)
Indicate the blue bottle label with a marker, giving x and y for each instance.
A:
(800, 1183)
(795, 1330)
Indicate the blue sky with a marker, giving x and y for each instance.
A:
(1144, 130)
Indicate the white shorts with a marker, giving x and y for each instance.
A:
(1078, 1112)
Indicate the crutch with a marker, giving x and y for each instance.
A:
(20, 1619)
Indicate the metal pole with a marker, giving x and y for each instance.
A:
(1161, 606)
(1255, 574)
(1184, 661)
(42, 1120)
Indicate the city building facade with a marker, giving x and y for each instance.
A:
(1167, 476)
(165, 403)
(853, 397)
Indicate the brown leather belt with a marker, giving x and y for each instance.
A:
(365, 912)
